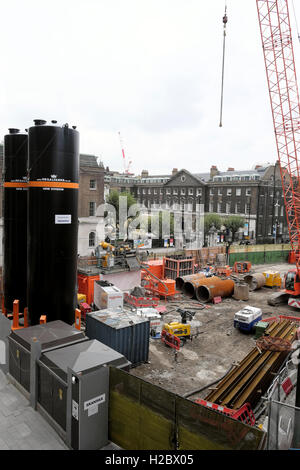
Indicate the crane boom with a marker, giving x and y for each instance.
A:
(276, 36)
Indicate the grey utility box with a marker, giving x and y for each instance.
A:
(73, 390)
(50, 335)
(122, 331)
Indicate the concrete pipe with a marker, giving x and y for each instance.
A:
(255, 281)
(221, 288)
(189, 287)
(191, 277)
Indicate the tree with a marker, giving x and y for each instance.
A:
(212, 220)
(234, 223)
(114, 200)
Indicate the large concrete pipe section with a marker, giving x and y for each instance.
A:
(190, 277)
(15, 218)
(189, 287)
(255, 281)
(52, 221)
(221, 288)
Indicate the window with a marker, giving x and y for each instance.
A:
(168, 191)
(149, 191)
(247, 209)
(161, 191)
(93, 184)
(211, 207)
(227, 207)
(175, 191)
(92, 239)
(248, 192)
(229, 191)
(238, 191)
(191, 191)
(199, 192)
(138, 190)
(281, 211)
(220, 192)
(92, 211)
(238, 208)
(183, 178)
(183, 191)
(219, 207)
(155, 191)
(211, 191)
(144, 191)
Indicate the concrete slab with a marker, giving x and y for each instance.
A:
(21, 427)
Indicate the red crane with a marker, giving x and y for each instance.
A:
(276, 36)
(126, 166)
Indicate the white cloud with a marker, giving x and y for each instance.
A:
(151, 70)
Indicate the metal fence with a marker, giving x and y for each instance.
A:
(283, 417)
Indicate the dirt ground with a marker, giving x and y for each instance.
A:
(211, 353)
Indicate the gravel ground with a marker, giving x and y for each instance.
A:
(215, 349)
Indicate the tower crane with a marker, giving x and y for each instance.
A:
(126, 165)
(277, 44)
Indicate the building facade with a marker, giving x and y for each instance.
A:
(256, 195)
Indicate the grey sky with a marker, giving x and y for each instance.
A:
(150, 69)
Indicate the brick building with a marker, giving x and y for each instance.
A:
(255, 195)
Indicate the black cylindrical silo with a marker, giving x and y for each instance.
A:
(52, 221)
(15, 218)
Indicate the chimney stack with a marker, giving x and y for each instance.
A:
(230, 169)
(144, 174)
(174, 171)
(213, 171)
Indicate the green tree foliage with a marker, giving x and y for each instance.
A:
(212, 220)
(114, 196)
(234, 223)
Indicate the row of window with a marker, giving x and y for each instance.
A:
(169, 191)
(230, 191)
(237, 178)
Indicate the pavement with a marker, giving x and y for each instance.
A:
(21, 427)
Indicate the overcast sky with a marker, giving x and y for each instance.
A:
(149, 69)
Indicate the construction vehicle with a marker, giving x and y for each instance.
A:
(276, 36)
(181, 330)
(118, 256)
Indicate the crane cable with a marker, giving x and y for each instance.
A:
(298, 32)
(225, 20)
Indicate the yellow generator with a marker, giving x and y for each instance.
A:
(273, 279)
(182, 330)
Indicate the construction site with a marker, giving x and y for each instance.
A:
(132, 348)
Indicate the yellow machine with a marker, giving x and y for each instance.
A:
(108, 259)
(178, 329)
(273, 279)
(81, 298)
(181, 330)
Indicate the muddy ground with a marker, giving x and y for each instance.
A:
(211, 353)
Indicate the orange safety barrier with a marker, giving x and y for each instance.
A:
(170, 340)
(43, 319)
(15, 325)
(78, 319)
